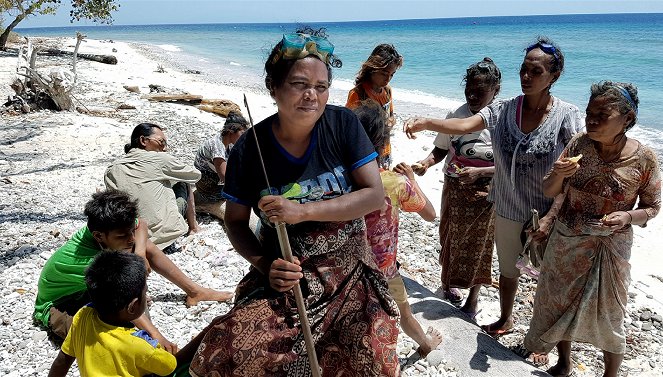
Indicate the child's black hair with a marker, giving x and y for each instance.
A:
(110, 210)
(235, 122)
(375, 121)
(114, 279)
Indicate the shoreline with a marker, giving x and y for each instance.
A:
(45, 179)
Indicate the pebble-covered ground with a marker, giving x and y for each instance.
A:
(50, 163)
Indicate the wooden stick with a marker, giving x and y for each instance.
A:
(286, 251)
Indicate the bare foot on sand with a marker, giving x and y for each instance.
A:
(208, 294)
(561, 370)
(434, 339)
(499, 328)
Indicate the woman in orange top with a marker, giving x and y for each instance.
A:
(373, 82)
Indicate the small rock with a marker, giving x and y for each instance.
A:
(647, 326)
(632, 294)
(650, 296)
(132, 88)
(645, 315)
(435, 358)
(657, 318)
(39, 336)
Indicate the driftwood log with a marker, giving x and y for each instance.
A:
(40, 90)
(106, 59)
(220, 107)
(187, 99)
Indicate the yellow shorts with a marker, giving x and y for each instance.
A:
(397, 290)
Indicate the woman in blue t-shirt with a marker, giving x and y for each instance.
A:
(322, 179)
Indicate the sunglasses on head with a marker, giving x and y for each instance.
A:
(300, 45)
(545, 47)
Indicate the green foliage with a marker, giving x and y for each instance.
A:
(95, 10)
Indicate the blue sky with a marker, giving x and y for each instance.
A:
(234, 11)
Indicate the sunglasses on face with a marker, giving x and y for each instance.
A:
(300, 45)
(545, 47)
(161, 142)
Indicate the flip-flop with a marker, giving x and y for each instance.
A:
(538, 359)
(496, 333)
(472, 315)
(454, 295)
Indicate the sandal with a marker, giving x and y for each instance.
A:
(454, 295)
(472, 315)
(538, 359)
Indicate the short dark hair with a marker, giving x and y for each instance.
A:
(235, 122)
(375, 121)
(556, 60)
(110, 210)
(277, 71)
(486, 70)
(383, 55)
(114, 279)
(612, 91)
(143, 129)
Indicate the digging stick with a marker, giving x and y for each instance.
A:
(286, 251)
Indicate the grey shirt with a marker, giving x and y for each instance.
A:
(522, 160)
(149, 177)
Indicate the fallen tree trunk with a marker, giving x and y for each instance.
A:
(106, 59)
(219, 106)
(187, 99)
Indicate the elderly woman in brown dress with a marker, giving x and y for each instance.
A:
(582, 290)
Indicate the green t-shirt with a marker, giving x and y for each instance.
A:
(64, 273)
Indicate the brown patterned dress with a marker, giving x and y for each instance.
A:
(467, 232)
(582, 291)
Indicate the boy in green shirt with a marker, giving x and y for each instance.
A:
(112, 225)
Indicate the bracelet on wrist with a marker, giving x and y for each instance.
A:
(630, 217)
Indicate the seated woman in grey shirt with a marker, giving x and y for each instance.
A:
(528, 133)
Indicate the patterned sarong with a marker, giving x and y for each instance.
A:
(351, 314)
(467, 231)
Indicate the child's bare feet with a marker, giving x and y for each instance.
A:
(434, 339)
(208, 294)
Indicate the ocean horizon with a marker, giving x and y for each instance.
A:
(616, 47)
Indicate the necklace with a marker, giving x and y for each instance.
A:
(544, 106)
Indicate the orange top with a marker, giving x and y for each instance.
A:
(356, 95)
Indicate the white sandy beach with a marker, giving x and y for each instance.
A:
(51, 162)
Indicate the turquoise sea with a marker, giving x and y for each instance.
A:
(618, 47)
